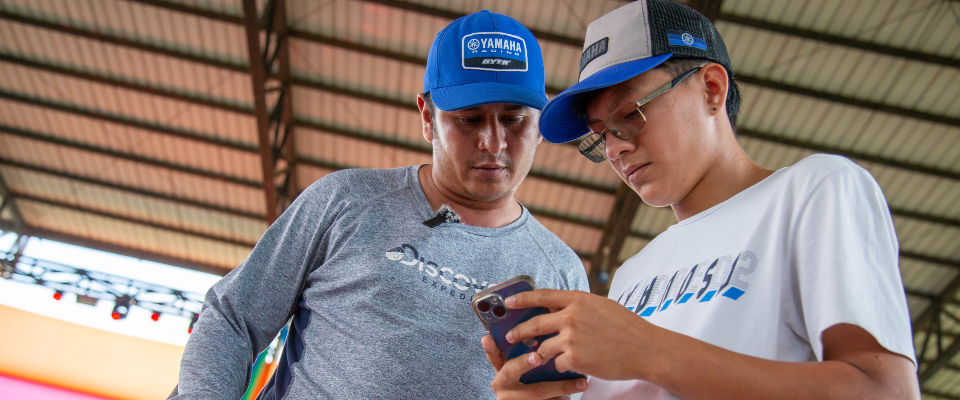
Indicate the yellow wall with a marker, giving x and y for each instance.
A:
(85, 359)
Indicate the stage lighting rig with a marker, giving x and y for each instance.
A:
(91, 287)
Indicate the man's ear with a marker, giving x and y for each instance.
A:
(716, 84)
(425, 118)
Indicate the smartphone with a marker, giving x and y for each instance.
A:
(498, 320)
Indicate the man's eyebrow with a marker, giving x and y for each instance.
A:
(513, 107)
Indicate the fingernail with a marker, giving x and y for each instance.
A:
(581, 384)
(509, 336)
(532, 359)
(509, 301)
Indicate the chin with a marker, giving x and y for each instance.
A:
(652, 197)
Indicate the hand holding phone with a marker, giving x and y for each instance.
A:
(498, 320)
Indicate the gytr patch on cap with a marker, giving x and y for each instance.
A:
(494, 51)
(683, 38)
(595, 50)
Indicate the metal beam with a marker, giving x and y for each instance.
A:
(421, 61)
(576, 41)
(130, 122)
(258, 75)
(948, 62)
(929, 317)
(179, 96)
(284, 138)
(914, 256)
(127, 156)
(195, 11)
(236, 212)
(850, 101)
(121, 41)
(436, 12)
(769, 137)
(10, 201)
(344, 91)
(376, 52)
(565, 217)
(939, 394)
(118, 249)
(615, 232)
(135, 220)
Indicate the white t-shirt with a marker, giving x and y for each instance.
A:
(767, 271)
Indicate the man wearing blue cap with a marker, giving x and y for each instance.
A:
(377, 268)
(774, 284)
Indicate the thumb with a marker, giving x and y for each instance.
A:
(493, 353)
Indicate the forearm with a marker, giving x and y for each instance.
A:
(216, 359)
(693, 370)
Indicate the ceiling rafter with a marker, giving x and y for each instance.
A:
(889, 162)
(9, 201)
(316, 85)
(330, 166)
(134, 220)
(130, 122)
(706, 7)
(841, 40)
(374, 51)
(120, 41)
(137, 87)
(195, 11)
(851, 101)
(421, 61)
(930, 316)
(236, 212)
(119, 249)
(234, 145)
(258, 75)
(710, 7)
(606, 259)
(128, 156)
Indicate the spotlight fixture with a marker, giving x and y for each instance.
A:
(121, 308)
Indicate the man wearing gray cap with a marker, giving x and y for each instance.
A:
(773, 284)
(377, 268)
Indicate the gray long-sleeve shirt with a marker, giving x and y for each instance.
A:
(380, 302)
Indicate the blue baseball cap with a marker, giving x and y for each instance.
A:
(485, 58)
(625, 43)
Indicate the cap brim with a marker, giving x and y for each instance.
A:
(560, 122)
(476, 94)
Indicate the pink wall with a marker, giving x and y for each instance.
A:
(14, 388)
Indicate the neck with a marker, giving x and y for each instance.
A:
(487, 214)
(731, 173)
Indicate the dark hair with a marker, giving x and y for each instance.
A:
(675, 67)
(432, 108)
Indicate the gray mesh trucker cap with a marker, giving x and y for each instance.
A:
(625, 43)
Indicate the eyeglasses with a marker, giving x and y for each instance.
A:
(623, 123)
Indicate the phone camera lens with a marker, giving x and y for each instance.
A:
(499, 311)
(483, 306)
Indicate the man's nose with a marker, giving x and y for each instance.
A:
(493, 137)
(615, 148)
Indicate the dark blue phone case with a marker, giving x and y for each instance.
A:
(498, 331)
